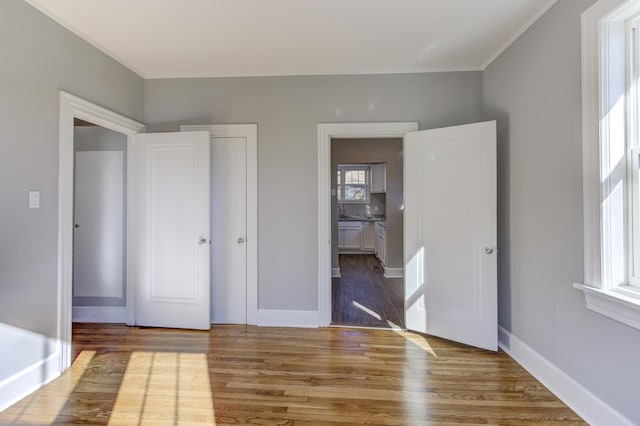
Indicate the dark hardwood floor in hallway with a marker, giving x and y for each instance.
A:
(362, 296)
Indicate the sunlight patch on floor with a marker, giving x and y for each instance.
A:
(164, 387)
(366, 310)
(416, 339)
(43, 407)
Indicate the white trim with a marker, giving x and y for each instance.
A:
(73, 107)
(307, 72)
(588, 406)
(286, 318)
(28, 380)
(591, 143)
(393, 272)
(106, 314)
(250, 133)
(131, 235)
(327, 131)
(335, 272)
(612, 304)
(519, 32)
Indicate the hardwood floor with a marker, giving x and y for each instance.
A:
(362, 296)
(284, 376)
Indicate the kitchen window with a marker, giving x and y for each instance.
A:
(353, 183)
(611, 159)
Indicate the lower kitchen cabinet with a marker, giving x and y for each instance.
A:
(381, 244)
(368, 236)
(356, 236)
(349, 235)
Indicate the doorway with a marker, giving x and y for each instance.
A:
(450, 265)
(327, 132)
(99, 260)
(72, 108)
(367, 261)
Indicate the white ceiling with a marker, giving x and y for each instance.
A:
(207, 38)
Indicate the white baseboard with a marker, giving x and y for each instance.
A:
(335, 272)
(32, 378)
(116, 314)
(588, 406)
(285, 318)
(393, 272)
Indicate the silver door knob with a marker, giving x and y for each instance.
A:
(488, 250)
(202, 241)
(240, 240)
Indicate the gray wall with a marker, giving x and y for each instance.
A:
(96, 138)
(389, 151)
(533, 90)
(288, 110)
(39, 58)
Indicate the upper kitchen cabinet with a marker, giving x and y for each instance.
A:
(379, 177)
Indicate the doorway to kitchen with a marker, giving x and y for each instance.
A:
(366, 253)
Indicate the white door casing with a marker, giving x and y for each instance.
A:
(172, 230)
(234, 222)
(74, 107)
(99, 224)
(450, 233)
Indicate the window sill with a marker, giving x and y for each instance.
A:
(621, 305)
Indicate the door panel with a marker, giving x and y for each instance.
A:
(99, 218)
(172, 230)
(450, 217)
(229, 225)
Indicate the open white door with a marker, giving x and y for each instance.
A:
(172, 226)
(450, 233)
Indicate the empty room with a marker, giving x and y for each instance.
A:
(319, 212)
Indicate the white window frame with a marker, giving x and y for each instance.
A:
(367, 189)
(609, 171)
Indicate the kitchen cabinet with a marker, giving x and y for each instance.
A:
(381, 245)
(349, 235)
(368, 236)
(379, 177)
(354, 236)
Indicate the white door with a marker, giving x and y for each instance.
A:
(229, 230)
(450, 233)
(99, 224)
(172, 230)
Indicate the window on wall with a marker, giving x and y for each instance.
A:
(353, 183)
(611, 158)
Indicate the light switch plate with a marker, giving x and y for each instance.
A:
(34, 199)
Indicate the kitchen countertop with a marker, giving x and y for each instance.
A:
(360, 219)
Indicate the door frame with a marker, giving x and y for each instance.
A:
(250, 133)
(74, 107)
(326, 132)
